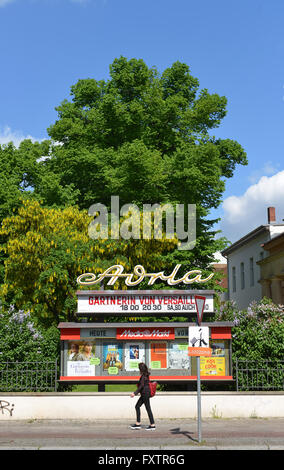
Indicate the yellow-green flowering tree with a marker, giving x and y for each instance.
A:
(46, 249)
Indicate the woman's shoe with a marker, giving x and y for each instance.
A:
(151, 428)
(135, 426)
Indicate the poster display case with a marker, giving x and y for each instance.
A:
(111, 352)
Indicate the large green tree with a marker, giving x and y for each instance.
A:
(143, 136)
(146, 137)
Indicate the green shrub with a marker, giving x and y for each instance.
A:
(258, 332)
(21, 340)
(257, 344)
(28, 354)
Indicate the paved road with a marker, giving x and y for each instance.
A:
(217, 434)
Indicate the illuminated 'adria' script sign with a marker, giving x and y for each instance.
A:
(116, 271)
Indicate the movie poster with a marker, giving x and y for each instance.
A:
(158, 355)
(216, 364)
(112, 358)
(134, 354)
(212, 366)
(218, 348)
(178, 356)
(81, 358)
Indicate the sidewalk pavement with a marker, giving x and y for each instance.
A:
(174, 434)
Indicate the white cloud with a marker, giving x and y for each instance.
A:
(244, 213)
(268, 169)
(7, 135)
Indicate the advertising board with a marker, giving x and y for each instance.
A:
(140, 302)
(111, 352)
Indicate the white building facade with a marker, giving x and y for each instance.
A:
(242, 257)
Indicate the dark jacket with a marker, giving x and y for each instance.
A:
(143, 386)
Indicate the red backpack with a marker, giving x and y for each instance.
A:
(153, 387)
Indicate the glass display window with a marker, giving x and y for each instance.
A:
(218, 364)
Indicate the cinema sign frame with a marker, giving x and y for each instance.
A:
(96, 303)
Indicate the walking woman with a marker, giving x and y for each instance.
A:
(144, 390)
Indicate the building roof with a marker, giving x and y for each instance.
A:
(276, 240)
(242, 241)
(248, 237)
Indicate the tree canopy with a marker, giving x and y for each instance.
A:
(143, 136)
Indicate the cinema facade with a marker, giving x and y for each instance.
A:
(103, 348)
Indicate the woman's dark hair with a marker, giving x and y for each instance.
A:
(143, 369)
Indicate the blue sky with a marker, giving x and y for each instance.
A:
(234, 48)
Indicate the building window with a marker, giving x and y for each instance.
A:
(242, 276)
(234, 279)
(251, 272)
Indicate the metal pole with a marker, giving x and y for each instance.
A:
(198, 398)
(55, 385)
(237, 375)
